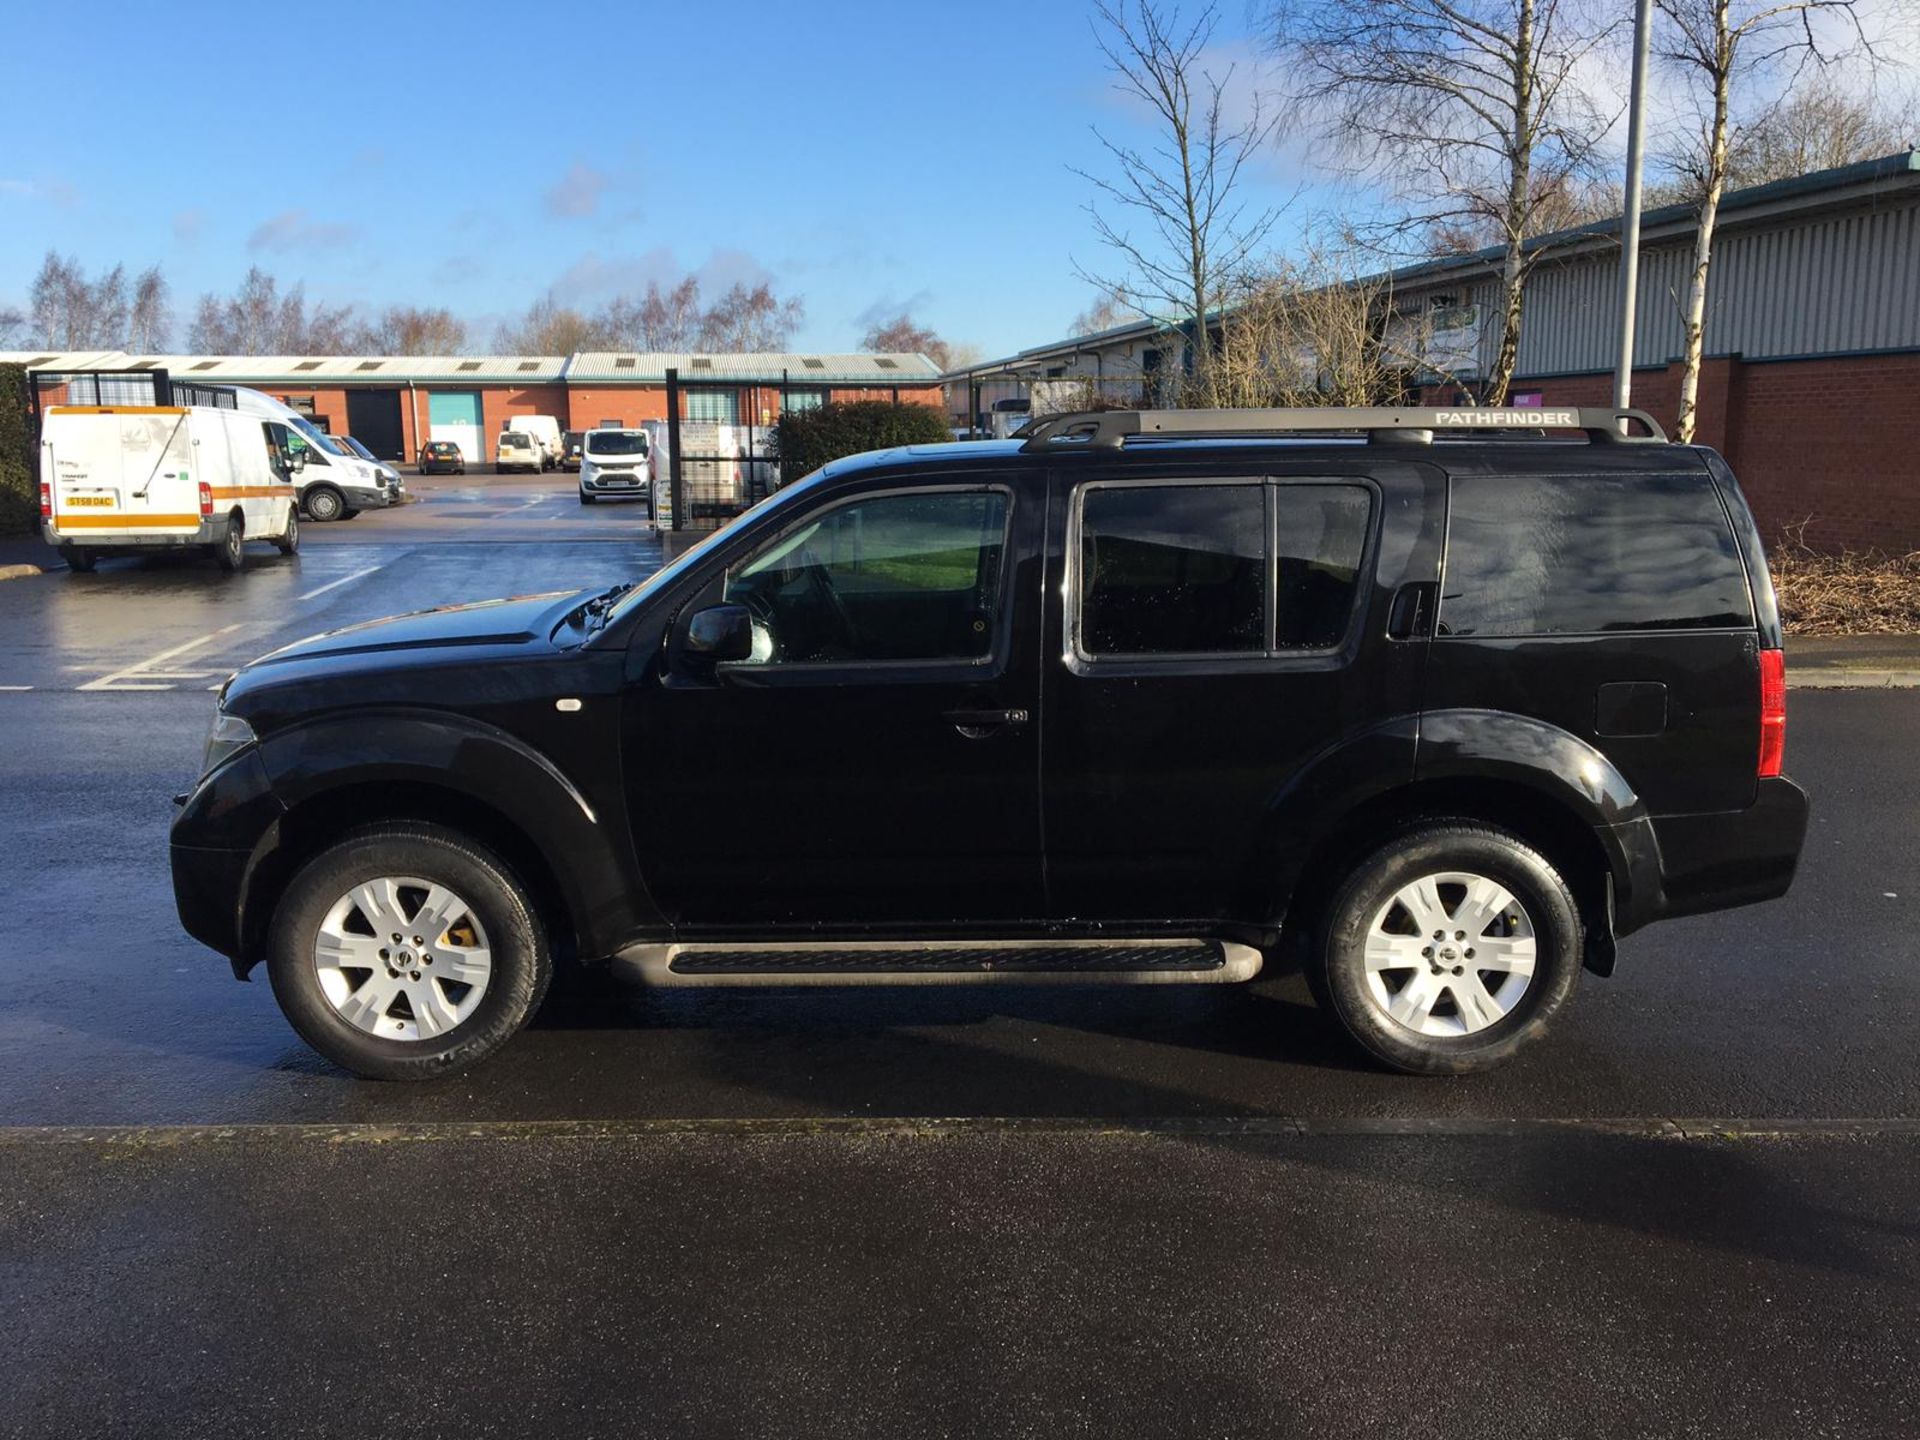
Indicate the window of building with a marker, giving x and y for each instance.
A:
(886, 579)
(1224, 569)
(796, 399)
(720, 407)
(1582, 554)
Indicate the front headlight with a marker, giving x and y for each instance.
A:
(229, 734)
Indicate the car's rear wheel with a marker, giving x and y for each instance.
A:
(324, 503)
(231, 548)
(79, 559)
(406, 952)
(1449, 949)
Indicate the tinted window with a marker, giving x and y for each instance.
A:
(1173, 570)
(1321, 534)
(617, 442)
(1589, 553)
(896, 577)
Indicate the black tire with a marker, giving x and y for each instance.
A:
(349, 514)
(289, 543)
(325, 504)
(1456, 846)
(522, 961)
(231, 548)
(80, 561)
(586, 499)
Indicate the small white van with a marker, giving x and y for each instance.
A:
(545, 431)
(141, 477)
(335, 484)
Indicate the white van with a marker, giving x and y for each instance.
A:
(545, 431)
(141, 477)
(335, 484)
(615, 462)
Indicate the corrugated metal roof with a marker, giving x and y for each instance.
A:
(603, 368)
(609, 365)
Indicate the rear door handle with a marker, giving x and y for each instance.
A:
(967, 721)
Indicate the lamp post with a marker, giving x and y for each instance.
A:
(1630, 220)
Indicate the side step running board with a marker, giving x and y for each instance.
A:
(957, 962)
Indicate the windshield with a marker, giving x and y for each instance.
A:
(355, 446)
(316, 437)
(514, 440)
(617, 442)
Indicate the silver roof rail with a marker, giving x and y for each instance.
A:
(1111, 429)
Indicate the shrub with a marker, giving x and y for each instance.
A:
(19, 499)
(807, 439)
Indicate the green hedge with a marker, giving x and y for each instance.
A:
(807, 439)
(19, 500)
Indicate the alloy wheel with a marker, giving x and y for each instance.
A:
(402, 958)
(1450, 954)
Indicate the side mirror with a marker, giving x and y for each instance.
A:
(720, 633)
(298, 460)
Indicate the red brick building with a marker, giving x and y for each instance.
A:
(394, 404)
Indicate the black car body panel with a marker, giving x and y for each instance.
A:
(1031, 785)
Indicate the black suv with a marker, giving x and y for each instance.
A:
(1453, 698)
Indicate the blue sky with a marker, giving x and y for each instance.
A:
(474, 155)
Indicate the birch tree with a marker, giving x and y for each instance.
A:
(1473, 110)
(1173, 212)
(1721, 46)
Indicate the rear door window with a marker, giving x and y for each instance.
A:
(1589, 554)
(1218, 568)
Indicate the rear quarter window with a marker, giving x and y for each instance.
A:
(1586, 554)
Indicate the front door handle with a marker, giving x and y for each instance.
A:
(977, 723)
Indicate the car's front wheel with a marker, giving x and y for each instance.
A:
(1449, 949)
(324, 503)
(407, 951)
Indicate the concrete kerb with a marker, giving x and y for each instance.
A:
(19, 572)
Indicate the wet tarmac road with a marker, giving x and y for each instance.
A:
(1152, 1211)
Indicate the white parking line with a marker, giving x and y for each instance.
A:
(336, 584)
(15, 689)
(144, 677)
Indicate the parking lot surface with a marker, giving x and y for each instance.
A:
(1692, 1210)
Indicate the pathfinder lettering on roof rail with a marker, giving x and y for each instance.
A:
(1515, 415)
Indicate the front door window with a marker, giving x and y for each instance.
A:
(885, 579)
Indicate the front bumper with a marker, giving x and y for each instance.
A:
(362, 497)
(628, 484)
(226, 825)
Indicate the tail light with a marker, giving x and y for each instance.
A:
(206, 499)
(1773, 710)
(46, 502)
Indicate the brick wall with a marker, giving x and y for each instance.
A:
(588, 405)
(1831, 442)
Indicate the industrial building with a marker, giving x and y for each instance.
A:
(1811, 386)
(395, 404)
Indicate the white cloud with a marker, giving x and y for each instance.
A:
(576, 193)
(296, 230)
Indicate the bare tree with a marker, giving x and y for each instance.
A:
(1472, 109)
(750, 318)
(902, 336)
(69, 311)
(1819, 123)
(13, 326)
(548, 328)
(1174, 213)
(412, 330)
(261, 319)
(1310, 331)
(1720, 46)
(1112, 308)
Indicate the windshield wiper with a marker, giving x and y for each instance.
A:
(593, 613)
